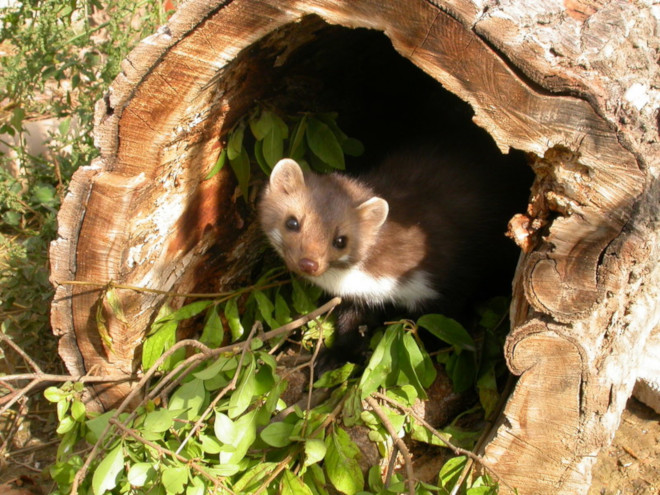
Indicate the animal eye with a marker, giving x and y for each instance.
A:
(292, 224)
(340, 242)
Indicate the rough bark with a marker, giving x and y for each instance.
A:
(574, 84)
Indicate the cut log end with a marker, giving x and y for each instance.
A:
(142, 214)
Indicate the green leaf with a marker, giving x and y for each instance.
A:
(66, 425)
(265, 124)
(315, 451)
(97, 425)
(220, 365)
(160, 420)
(213, 333)
(380, 364)
(102, 327)
(352, 147)
(482, 490)
(62, 409)
(185, 312)
(292, 485)
(64, 126)
(462, 371)
(141, 473)
(219, 164)
(340, 463)
(241, 167)
(115, 305)
(447, 330)
(323, 143)
(451, 471)
(273, 146)
(259, 156)
(105, 474)
(301, 301)
(45, 195)
(488, 394)
(197, 487)
(233, 320)
(251, 480)
(416, 364)
(282, 311)
(245, 391)
(78, 411)
(277, 434)
(156, 344)
(246, 427)
(54, 394)
(334, 377)
(297, 137)
(266, 308)
(189, 397)
(175, 478)
(235, 142)
(225, 429)
(209, 444)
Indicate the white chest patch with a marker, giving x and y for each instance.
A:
(358, 284)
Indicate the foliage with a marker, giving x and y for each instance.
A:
(58, 59)
(226, 428)
(315, 141)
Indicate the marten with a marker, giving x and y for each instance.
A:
(422, 232)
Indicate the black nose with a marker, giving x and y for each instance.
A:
(308, 266)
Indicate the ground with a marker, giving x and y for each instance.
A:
(631, 465)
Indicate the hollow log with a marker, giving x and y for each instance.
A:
(574, 84)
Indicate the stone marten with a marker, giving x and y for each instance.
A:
(421, 232)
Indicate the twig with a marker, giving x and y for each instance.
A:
(407, 459)
(47, 377)
(192, 295)
(18, 395)
(166, 452)
(20, 351)
(436, 433)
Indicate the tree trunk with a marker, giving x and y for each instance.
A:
(574, 85)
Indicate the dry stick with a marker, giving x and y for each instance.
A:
(136, 288)
(210, 353)
(399, 443)
(436, 433)
(311, 362)
(47, 377)
(165, 452)
(17, 395)
(224, 391)
(20, 351)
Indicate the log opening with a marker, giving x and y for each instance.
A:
(142, 215)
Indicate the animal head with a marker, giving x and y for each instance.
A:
(316, 222)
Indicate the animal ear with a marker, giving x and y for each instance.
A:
(286, 176)
(374, 211)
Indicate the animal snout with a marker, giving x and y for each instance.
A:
(308, 266)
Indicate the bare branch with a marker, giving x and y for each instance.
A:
(398, 442)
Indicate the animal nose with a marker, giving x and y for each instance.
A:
(308, 266)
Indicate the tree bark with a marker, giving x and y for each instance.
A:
(575, 85)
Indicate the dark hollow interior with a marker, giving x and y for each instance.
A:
(381, 98)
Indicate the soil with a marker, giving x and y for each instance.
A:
(631, 465)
